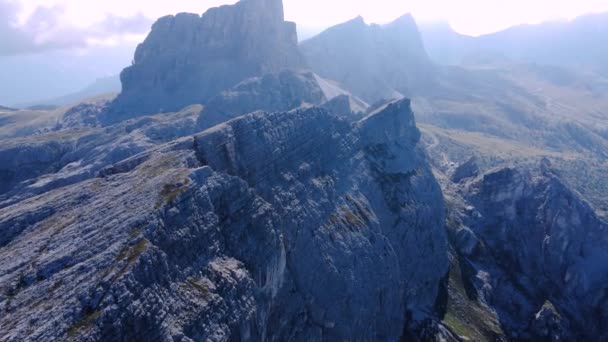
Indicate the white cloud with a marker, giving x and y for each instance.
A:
(48, 27)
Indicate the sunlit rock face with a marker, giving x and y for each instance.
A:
(272, 226)
(188, 58)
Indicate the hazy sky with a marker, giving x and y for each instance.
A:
(28, 26)
(467, 16)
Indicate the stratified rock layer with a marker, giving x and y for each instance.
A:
(188, 59)
(274, 92)
(293, 225)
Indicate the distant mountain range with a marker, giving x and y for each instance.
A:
(582, 42)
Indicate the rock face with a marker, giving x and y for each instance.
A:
(467, 170)
(281, 91)
(536, 253)
(373, 62)
(293, 225)
(188, 59)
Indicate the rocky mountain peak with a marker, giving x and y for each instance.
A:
(357, 21)
(270, 8)
(188, 58)
(372, 61)
(405, 20)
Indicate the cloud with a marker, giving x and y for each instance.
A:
(46, 30)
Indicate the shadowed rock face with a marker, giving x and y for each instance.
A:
(274, 92)
(536, 253)
(292, 225)
(188, 59)
(374, 62)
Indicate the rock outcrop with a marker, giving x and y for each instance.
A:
(536, 253)
(188, 58)
(293, 225)
(373, 62)
(282, 91)
(275, 92)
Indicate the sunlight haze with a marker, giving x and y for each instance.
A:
(471, 17)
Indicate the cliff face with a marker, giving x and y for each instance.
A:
(534, 252)
(188, 59)
(374, 62)
(293, 225)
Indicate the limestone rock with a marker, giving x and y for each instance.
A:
(467, 170)
(288, 225)
(188, 59)
(275, 92)
(541, 243)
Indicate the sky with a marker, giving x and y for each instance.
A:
(36, 25)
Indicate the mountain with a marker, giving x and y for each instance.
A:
(374, 62)
(7, 109)
(523, 111)
(189, 58)
(282, 206)
(578, 43)
(443, 44)
(223, 221)
(269, 225)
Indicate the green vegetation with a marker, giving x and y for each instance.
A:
(203, 288)
(84, 323)
(465, 316)
(461, 329)
(131, 254)
(170, 192)
(198, 285)
(347, 217)
(136, 232)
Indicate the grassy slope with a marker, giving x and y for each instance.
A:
(466, 317)
(518, 115)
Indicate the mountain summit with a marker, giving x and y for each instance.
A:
(189, 58)
(373, 61)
